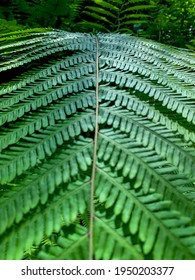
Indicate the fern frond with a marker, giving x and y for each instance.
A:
(142, 108)
(155, 137)
(117, 247)
(116, 15)
(62, 209)
(35, 187)
(100, 11)
(41, 47)
(143, 116)
(142, 166)
(73, 244)
(141, 210)
(38, 146)
(44, 117)
(98, 17)
(138, 8)
(109, 5)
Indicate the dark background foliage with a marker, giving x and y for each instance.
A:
(171, 22)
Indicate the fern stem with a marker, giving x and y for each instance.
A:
(94, 156)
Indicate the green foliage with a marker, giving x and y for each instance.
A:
(191, 45)
(115, 15)
(173, 22)
(170, 22)
(55, 85)
(45, 13)
(9, 26)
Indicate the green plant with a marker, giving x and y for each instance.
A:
(47, 13)
(116, 15)
(173, 23)
(9, 26)
(97, 147)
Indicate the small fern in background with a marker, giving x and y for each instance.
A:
(97, 147)
(71, 22)
(116, 15)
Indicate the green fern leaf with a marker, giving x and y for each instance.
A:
(72, 244)
(97, 146)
